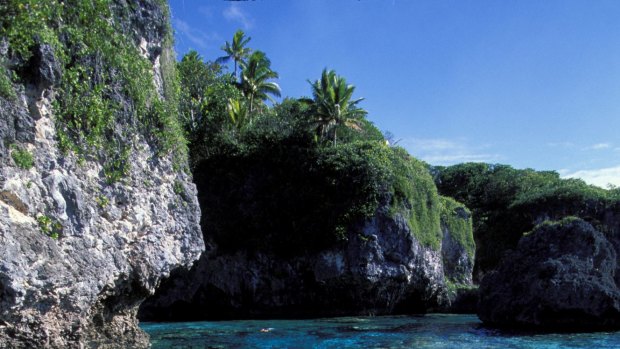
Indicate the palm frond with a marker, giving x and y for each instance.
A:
(332, 105)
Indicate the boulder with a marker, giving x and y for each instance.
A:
(560, 277)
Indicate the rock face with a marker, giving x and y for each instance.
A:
(382, 269)
(457, 246)
(458, 252)
(560, 277)
(78, 254)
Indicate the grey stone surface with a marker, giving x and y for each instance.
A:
(560, 277)
(458, 264)
(117, 241)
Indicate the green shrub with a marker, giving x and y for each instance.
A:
(282, 192)
(562, 222)
(102, 201)
(50, 226)
(86, 36)
(414, 194)
(460, 228)
(455, 288)
(178, 187)
(6, 86)
(290, 196)
(117, 168)
(22, 157)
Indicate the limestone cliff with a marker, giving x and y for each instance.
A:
(94, 206)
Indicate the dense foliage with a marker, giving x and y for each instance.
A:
(277, 190)
(286, 196)
(506, 202)
(6, 88)
(414, 193)
(273, 178)
(205, 94)
(331, 105)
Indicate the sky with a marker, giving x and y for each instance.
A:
(528, 83)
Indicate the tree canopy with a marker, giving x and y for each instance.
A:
(254, 82)
(237, 50)
(331, 105)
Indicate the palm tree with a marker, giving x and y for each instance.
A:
(237, 50)
(332, 106)
(254, 83)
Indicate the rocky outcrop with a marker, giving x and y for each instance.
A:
(458, 252)
(300, 230)
(560, 277)
(506, 202)
(457, 246)
(78, 251)
(382, 269)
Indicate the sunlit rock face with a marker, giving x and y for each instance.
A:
(79, 253)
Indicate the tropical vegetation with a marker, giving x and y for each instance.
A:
(236, 51)
(507, 202)
(295, 175)
(254, 82)
(332, 106)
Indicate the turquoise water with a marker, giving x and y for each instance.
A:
(430, 331)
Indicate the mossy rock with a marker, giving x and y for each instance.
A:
(100, 76)
(415, 196)
(456, 218)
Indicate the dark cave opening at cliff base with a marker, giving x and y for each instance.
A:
(216, 305)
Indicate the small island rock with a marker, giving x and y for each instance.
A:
(560, 277)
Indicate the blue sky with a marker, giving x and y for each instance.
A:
(526, 83)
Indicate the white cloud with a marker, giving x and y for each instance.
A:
(236, 14)
(599, 146)
(600, 177)
(447, 152)
(195, 36)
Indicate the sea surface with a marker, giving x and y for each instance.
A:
(429, 331)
